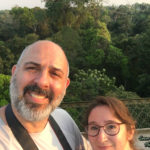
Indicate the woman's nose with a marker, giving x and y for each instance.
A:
(102, 136)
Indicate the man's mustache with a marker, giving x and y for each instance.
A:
(35, 88)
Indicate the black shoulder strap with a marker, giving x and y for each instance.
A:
(19, 131)
(59, 134)
(24, 138)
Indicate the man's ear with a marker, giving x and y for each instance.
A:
(13, 69)
(68, 82)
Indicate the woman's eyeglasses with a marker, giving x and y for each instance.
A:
(109, 128)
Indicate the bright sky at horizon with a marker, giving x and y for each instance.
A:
(124, 2)
(9, 4)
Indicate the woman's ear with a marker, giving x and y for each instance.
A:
(131, 133)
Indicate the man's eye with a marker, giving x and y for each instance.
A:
(32, 68)
(55, 74)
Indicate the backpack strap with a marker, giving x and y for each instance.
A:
(59, 134)
(23, 136)
(19, 131)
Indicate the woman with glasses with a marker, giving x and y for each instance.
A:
(109, 125)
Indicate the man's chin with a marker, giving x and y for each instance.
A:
(33, 111)
(37, 114)
(36, 106)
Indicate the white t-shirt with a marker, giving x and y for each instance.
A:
(46, 139)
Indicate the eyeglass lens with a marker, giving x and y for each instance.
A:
(109, 129)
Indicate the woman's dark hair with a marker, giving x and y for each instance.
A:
(117, 107)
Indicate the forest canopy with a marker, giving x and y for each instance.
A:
(108, 47)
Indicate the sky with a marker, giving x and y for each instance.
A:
(119, 2)
(9, 4)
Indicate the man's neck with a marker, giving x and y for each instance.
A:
(31, 127)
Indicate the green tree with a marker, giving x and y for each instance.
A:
(121, 20)
(88, 84)
(6, 29)
(143, 88)
(43, 28)
(129, 28)
(140, 17)
(70, 13)
(117, 64)
(95, 41)
(24, 20)
(70, 41)
(4, 88)
(6, 59)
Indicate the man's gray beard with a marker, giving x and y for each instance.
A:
(29, 111)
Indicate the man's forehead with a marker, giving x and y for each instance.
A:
(46, 45)
(45, 53)
(41, 58)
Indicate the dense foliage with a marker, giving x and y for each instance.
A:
(4, 88)
(107, 47)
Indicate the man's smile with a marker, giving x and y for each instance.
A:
(38, 98)
(37, 95)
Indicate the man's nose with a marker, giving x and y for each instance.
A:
(43, 79)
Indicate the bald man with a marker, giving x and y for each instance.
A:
(38, 85)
